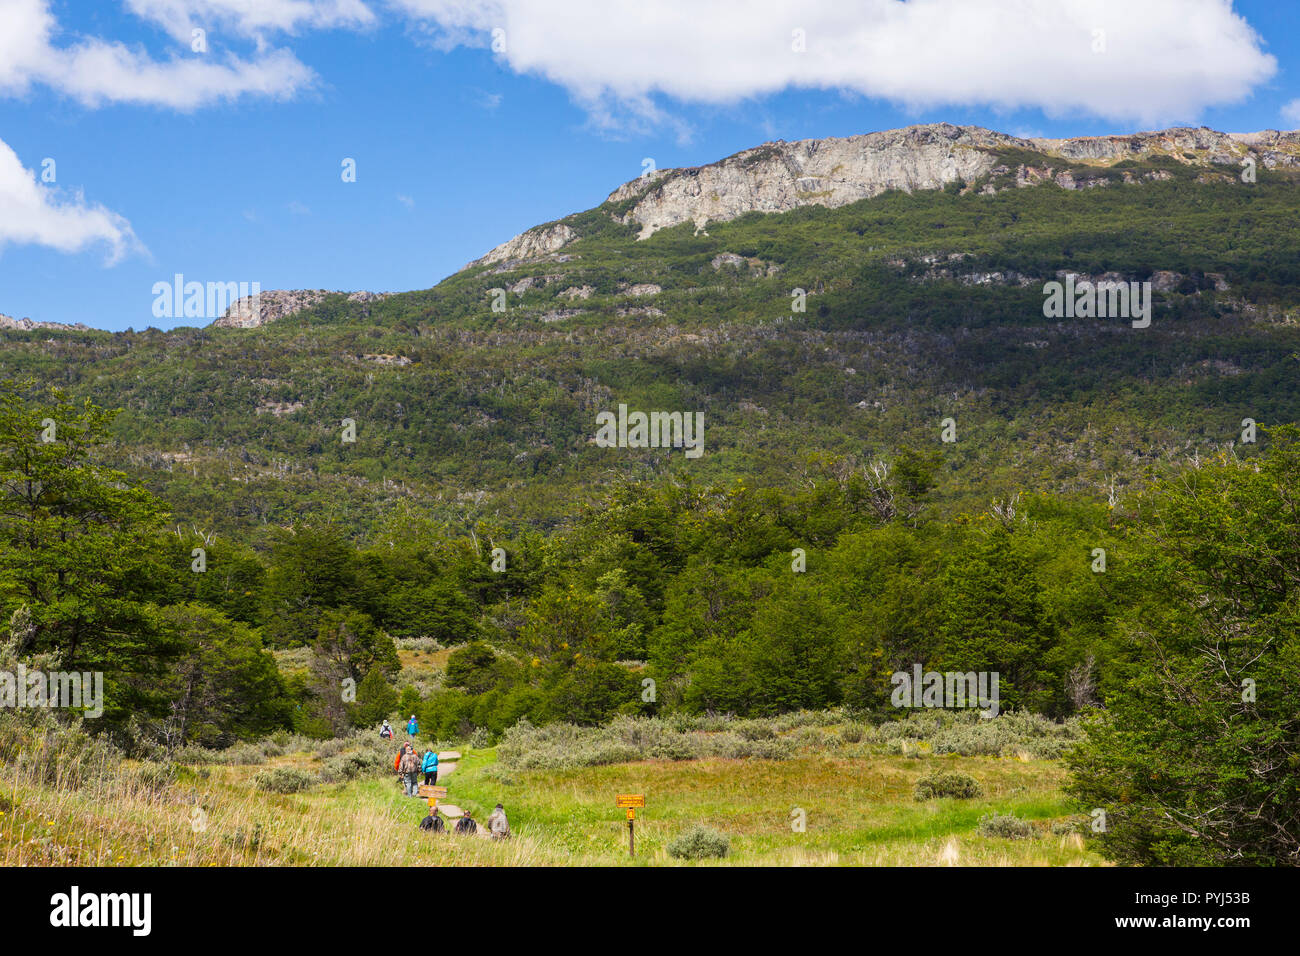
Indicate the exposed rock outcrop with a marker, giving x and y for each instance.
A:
(778, 177)
(532, 244)
(781, 176)
(254, 310)
(26, 325)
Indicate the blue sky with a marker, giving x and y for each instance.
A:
(225, 164)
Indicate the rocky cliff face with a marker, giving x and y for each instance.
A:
(780, 176)
(255, 310)
(532, 245)
(26, 325)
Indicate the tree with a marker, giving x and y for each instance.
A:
(353, 646)
(562, 622)
(993, 619)
(348, 647)
(436, 609)
(75, 549)
(1196, 757)
(312, 570)
(376, 700)
(223, 686)
(472, 668)
(788, 659)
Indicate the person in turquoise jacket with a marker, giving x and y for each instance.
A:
(430, 767)
(413, 726)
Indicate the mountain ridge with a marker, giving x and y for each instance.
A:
(779, 176)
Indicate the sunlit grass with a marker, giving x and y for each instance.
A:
(859, 811)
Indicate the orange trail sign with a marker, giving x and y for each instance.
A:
(631, 802)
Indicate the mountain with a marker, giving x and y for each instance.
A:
(810, 331)
(780, 176)
(777, 177)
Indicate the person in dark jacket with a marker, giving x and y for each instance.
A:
(430, 766)
(466, 826)
(433, 822)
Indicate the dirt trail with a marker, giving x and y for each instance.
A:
(449, 810)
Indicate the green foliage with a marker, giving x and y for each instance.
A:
(312, 569)
(472, 668)
(284, 780)
(642, 568)
(75, 554)
(376, 700)
(223, 686)
(1005, 826)
(1195, 757)
(350, 643)
(961, 786)
(993, 619)
(699, 843)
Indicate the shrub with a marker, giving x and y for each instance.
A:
(48, 752)
(562, 746)
(948, 784)
(755, 729)
(155, 777)
(1006, 826)
(283, 780)
(330, 748)
(814, 738)
(349, 766)
(699, 843)
(1076, 824)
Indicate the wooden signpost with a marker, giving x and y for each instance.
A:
(630, 802)
(433, 793)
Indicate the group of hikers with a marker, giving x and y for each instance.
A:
(409, 765)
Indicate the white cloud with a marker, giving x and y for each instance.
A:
(485, 100)
(252, 17)
(32, 213)
(1163, 60)
(1291, 112)
(95, 71)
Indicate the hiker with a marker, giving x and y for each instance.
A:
(397, 761)
(386, 732)
(433, 822)
(413, 726)
(409, 767)
(497, 824)
(430, 766)
(465, 826)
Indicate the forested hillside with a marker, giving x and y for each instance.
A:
(476, 558)
(919, 307)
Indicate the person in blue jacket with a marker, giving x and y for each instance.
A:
(430, 766)
(413, 726)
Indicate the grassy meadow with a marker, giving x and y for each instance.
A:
(856, 789)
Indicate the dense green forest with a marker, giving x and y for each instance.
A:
(195, 527)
